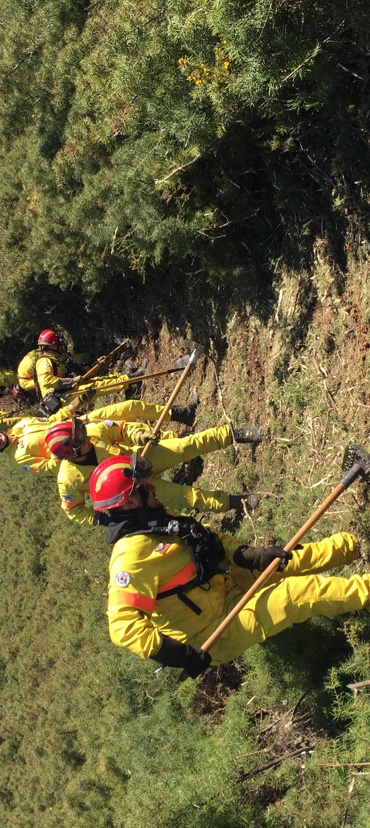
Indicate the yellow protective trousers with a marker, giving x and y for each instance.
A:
(174, 450)
(290, 597)
(101, 385)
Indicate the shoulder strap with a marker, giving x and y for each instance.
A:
(36, 384)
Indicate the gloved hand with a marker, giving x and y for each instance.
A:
(87, 396)
(174, 654)
(66, 382)
(259, 558)
(196, 662)
(235, 500)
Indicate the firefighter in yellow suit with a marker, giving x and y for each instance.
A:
(160, 605)
(51, 376)
(23, 438)
(108, 437)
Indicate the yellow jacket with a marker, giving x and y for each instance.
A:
(30, 431)
(28, 451)
(141, 567)
(49, 370)
(25, 368)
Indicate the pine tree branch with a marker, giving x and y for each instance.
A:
(177, 169)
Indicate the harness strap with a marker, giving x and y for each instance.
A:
(180, 592)
(204, 567)
(37, 385)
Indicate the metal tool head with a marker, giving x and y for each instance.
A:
(356, 457)
(191, 345)
(120, 340)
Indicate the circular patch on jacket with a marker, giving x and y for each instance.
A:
(122, 579)
(109, 422)
(68, 497)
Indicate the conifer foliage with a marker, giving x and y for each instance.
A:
(201, 143)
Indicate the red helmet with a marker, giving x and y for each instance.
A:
(115, 478)
(49, 339)
(64, 439)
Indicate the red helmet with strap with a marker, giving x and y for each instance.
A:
(49, 338)
(114, 480)
(65, 439)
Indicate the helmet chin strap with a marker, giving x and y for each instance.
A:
(144, 495)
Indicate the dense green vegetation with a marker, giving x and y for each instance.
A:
(92, 736)
(148, 146)
(169, 168)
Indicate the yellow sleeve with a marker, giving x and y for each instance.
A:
(133, 588)
(35, 463)
(65, 413)
(180, 498)
(45, 375)
(73, 487)
(131, 628)
(106, 431)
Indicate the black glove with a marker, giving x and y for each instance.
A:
(196, 662)
(251, 557)
(174, 654)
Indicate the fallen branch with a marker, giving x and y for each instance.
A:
(177, 169)
(343, 764)
(357, 684)
(274, 763)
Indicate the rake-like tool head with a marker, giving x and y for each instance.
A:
(356, 457)
(190, 345)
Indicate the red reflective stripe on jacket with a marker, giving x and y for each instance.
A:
(183, 577)
(120, 597)
(132, 599)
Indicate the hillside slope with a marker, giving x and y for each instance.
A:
(84, 725)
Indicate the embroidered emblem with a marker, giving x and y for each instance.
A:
(108, 422)
(162, 548)
(26, 468)
(20, 443)
(68, 497)
(122, 579)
